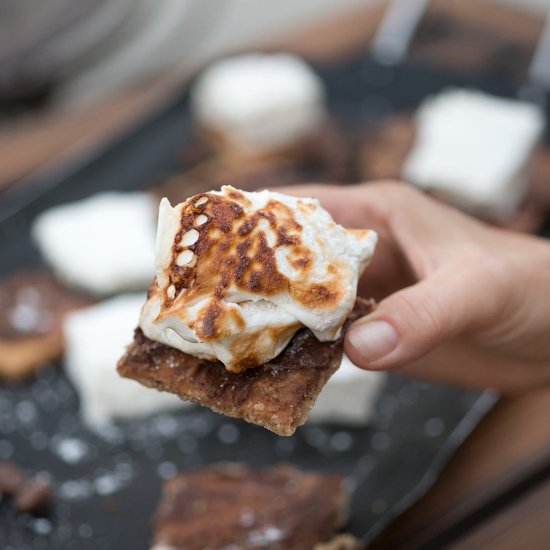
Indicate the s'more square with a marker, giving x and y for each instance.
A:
(246, 312)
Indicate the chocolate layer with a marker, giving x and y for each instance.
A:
(277, 395)
(230, 505)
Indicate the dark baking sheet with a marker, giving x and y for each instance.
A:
(107, 487)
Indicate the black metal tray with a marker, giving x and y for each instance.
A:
(107, 487)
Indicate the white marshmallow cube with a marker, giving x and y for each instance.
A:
(96, 338)
(349, 396)
(103, 244)
(473, 148)
(266, 101)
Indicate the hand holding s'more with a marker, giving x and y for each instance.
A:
(250, 299)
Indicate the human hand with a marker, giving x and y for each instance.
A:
(460, 301)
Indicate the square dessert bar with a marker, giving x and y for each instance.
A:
(32, 308)
(233, 506)
(277, 395)
(473, 148)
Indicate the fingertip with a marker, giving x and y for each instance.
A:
(367, 343)
(353, 355)
(358, 361)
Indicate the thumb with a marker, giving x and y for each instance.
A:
(413, 321)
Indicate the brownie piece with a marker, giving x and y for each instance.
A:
(277, 395)
(385, 148)
(32, 307)
(324, 156)
(233, 506)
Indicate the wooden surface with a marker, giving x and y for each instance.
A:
(494, 492)
(511, 446)
(41, 142)
(524, 524)
(475, 35)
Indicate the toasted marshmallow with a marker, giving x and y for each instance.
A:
(349, 396)
(264, 101)
(103, 244)
(237, 274)
(473, 149)
(95, 339)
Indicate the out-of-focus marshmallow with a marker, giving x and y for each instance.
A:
(349, 396)
(472, 148)
(266, 101)
(239, 273)
(95, 339)
(103, 244)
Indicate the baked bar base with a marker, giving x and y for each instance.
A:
(277, 395)
(231, 505)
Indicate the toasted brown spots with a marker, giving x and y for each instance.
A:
(220, 248)
(237, 196)
(208, 321)
(307, 206)
(246, 347)
(216, 321)
(301, 263)
(245, 260)
(316, 295)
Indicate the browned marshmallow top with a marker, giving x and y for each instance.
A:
(238, 273)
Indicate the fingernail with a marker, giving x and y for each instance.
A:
(373, 339)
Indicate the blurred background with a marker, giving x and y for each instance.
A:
(73, 73)
(107, 105)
